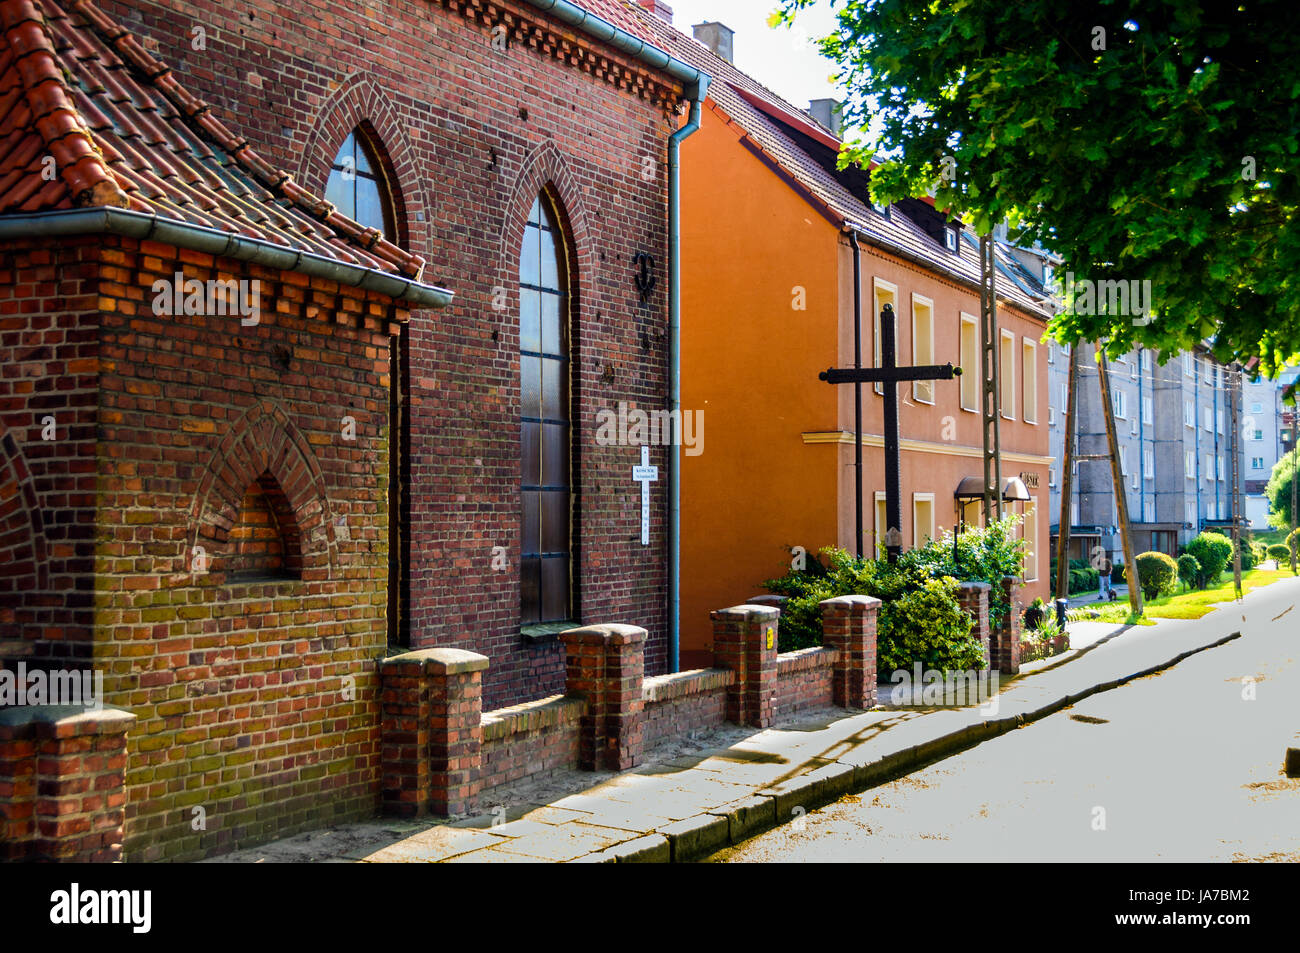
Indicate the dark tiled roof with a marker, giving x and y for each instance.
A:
(738, 95)
(77, 88)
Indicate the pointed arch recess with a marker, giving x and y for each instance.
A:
(22, 531)
(263, 441)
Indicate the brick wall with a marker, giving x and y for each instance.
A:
(49, 363)
(469, 136)
(804, 680)
(255, 697)
(534, 739)
(678, 704)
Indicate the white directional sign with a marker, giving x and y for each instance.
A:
(645, 475)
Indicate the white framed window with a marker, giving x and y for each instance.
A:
(1189, 365)
(1051, 352)
(1123, 461)
(950, 239)
(922, 518)
(882, 517)
(1134, 483)
(1218, 467)
(1008, 371)
(1074, 512)
(1065, 397)
(1030, 527)
(1133, 370)
(1133, 426)
(1209, 466)
(1148, 411)
(1149, 463)
(1029, 380)
(1051, 416)
(1257, 463)
(1189, 464)
(1257, 434)
(972, 368)
(1207, 418)
(922, 345)
(1189, 414)
(1051, 477)
(1256, 408)
(1119, 403)
(883, 293)
(1189, 513)
(1218, 420)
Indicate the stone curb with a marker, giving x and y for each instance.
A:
(705, 833)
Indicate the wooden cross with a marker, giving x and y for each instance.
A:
(891, 374)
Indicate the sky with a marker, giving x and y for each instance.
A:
(784, 61)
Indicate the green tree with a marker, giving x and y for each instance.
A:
(1143, 141)
(1158, 574)
(1212, 552)
(1279, 491)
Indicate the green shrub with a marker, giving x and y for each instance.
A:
(1248, 556)
(1280, 551)
(1157, 573)
(983, 554)
(1212, 552)
(1189, 570)
(927, 625)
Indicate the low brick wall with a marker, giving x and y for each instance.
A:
(804, 679)
(530, 740)
(684, 702)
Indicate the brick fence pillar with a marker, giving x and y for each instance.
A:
(745, 640)
(1004, 643)
(605, 665)
(849, 627)
(431, 710)
(63, 783)
(973, 597)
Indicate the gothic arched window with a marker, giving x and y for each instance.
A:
(546, 555)
(357, 186)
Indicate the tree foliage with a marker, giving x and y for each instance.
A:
(1278, 490)
(1144, 141)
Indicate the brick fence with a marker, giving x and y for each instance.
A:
(609, 714)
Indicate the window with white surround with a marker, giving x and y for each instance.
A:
(1218, 467)
(1051, 352)
(1189, 414)
(1189, 365)
(1257, 434)
(1051, 416)
(922, 519)
(1008, 372)
(1051, 477)
(1257, 463)
(1133, 426)
(1207, 418)
(1065, 397)
(922, 345)
(1256, 408)
(1029, 380)
(1119, 403)
(1074, 513)
(1189, 464)
(1148, 411)
(1189, 512)
(950, 239)
(1218, 419)
(1209, 466)
(1123, 461)
(881, 518)
(884, 293)
(1149, 463)
(971, 366)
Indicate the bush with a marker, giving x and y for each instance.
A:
(1212, 552)
(1157, 573)
(927, 625)
(1034, 614)
(1281, 552)
(1248, 556)
(983, 554)
(1189, 570)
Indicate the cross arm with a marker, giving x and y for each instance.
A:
(873, 375)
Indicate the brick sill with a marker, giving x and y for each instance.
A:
(544, 633)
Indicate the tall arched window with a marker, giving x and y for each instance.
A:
(546, 556)
(357, 188)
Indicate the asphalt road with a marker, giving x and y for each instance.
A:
(1181, 766)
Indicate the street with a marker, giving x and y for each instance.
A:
(1181, 766)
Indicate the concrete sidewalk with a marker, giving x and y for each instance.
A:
(699, 795)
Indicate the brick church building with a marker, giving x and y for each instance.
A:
(306, 315)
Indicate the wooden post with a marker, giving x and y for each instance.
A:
(1234, 472)
(1117, 478)
(990, 382)
(1067, 478)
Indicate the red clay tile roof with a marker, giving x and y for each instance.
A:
(752, 107)
(77, 88)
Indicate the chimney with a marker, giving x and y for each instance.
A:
(716, 37)
(658, 8)
(829, 114)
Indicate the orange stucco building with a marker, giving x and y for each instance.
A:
(767, 304)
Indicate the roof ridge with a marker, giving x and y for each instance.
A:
(199, 114)
(56, 118)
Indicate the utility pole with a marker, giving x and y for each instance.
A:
(1067, 479)
(1234, 448)
(1295, 458)
(990, 382)
(1121, 500)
